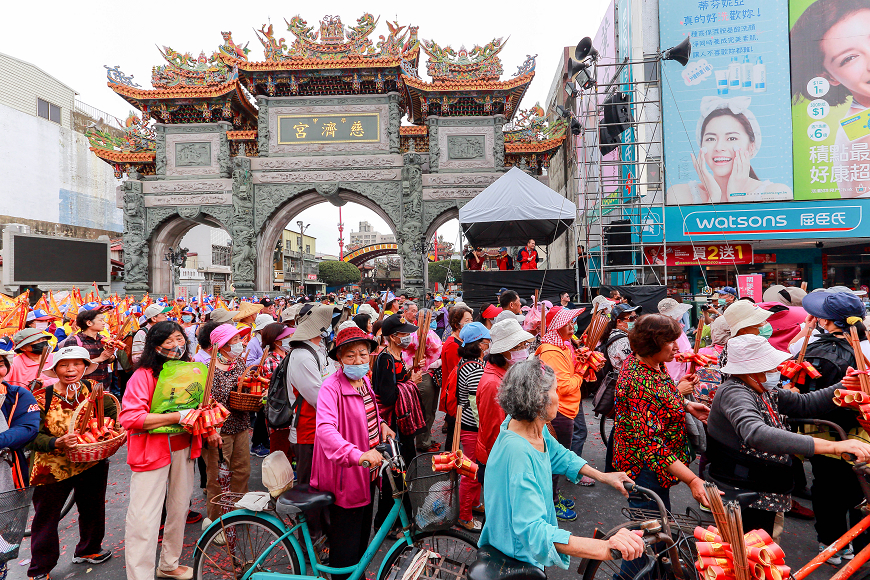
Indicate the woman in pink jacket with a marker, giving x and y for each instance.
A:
(157, 459)
(348, 429)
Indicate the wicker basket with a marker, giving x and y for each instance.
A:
(239, 401)
(87, 452)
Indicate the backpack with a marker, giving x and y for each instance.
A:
(280, 414)
(831, 356)
(605, 394)
(450, 389)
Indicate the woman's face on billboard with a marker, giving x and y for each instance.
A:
(846, 47)
(722, 136)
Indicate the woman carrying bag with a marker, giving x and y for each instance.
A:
(54, 475)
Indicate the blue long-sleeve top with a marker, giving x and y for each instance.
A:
(22, 415)
(518, 494)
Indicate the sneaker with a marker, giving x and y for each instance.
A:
(193, 517)
(205, 524)
(847, 553)
(479, 508)
(260, 451)
(471, 525)
(434, 447)
(586, 481)
(800, 512)
(39, 577)
(219, 539)
(564, 513)
(566, 501)
(93, 558)
(834, 560)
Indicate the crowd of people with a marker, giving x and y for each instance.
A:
(352, 373)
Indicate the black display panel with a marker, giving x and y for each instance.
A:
(39, 259)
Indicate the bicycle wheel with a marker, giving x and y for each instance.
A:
(620, 570)
(244, 539)
(457, 552)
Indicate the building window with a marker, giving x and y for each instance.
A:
(48, 111)
(221, 255)
(298, 241)
(307, 249)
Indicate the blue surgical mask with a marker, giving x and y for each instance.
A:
(187, 318)
(766, 330)
(629, 325)
(721, 302)
(433, 325)
(356, 372)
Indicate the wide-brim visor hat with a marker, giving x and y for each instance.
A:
(350, 335)
(70, 353)
(672, 308)
(563, 317)
(221, 335)
(27, 336)
(490, 311)
(837, 307)
(750, 353)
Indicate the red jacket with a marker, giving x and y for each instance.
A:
(528, 259)
(490, 415)
(449, 360)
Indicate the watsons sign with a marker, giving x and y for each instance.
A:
(765, 221)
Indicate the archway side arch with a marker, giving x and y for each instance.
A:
(270, 228)
(167, 230)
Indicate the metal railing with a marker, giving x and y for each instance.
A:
(85, 115)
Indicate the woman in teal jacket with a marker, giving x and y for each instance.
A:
(518, 487)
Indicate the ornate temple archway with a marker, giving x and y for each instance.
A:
(274, 224)
(168, 234)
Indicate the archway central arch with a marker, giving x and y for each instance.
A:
(275, 224)
(168, 234)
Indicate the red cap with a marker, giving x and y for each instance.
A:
(491, 311)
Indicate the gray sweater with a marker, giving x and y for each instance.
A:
(735, 418)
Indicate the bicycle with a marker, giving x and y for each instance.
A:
(261, 546)
(667, 537)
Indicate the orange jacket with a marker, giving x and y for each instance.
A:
(568, 381)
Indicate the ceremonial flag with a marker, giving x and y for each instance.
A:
(53, 308)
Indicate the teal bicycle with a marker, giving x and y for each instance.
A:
(250, 545)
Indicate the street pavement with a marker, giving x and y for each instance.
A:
(597, 507)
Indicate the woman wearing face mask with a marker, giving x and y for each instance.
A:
(162, 464)
(54, 476)
(749, 445)
(835, 490)
(475, 346)
(348, 429)
(390, 370)
(227, 346)
(188, 323)
(458, 317)
(276, 337)
(91, 321)
(43, 321)
(510, 345)
(29, 344)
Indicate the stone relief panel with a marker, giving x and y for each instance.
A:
(326, 162)
(311, 108)
(135, 239)
(196, 154)
(187, 186)
(242, 226)
(325, 176)
(434, 193)
(215, 198)
(154, 216)
(193, 149)
(410, 233)
(464, 148)
(460, 179)
(433, 209)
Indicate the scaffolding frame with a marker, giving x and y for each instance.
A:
(615, 188)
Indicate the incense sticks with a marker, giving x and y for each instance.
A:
(422, 335)
(860, 362)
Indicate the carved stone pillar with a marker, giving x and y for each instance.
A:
(434, 149)
(135, 242)
(263, 126)
(160, 150)
(498, 144)
(242, 227)
(395, 122)
(410, 231)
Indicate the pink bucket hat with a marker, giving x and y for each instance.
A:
(223, 333)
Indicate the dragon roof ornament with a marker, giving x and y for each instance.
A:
(447, 64)
(115, 75)
(334, 41)
(138, 136)
(531, 126)
(185, 70)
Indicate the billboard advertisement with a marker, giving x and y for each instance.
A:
(700, 255)
(830, 98)
(726, 136)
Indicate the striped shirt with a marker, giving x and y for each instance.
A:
(467, 379)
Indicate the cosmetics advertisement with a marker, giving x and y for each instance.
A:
(727, 137)
(830, 98)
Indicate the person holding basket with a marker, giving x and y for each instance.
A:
(160, 452)
(54, 473)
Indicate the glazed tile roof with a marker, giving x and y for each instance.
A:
(124, 157)
(534, 147)
(464, 85)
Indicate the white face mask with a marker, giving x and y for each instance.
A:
(519, 355)
(286, 343)
(771, 380)
(236, 349)
(40, 325)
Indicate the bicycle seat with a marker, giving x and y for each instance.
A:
(493, 565)
(744, 497)
(301, 499)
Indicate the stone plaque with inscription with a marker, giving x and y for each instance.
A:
(466, 146)
(329, 128)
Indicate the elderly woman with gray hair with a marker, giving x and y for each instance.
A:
(518, 488)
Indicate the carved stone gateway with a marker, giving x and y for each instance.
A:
(245, 144)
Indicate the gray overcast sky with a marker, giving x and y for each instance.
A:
(72, 41)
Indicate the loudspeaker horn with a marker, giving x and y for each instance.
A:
(680, 53)
(580, 70)
(585, 49)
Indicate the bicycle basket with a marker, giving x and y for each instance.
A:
(434, 495)
(14, 506)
